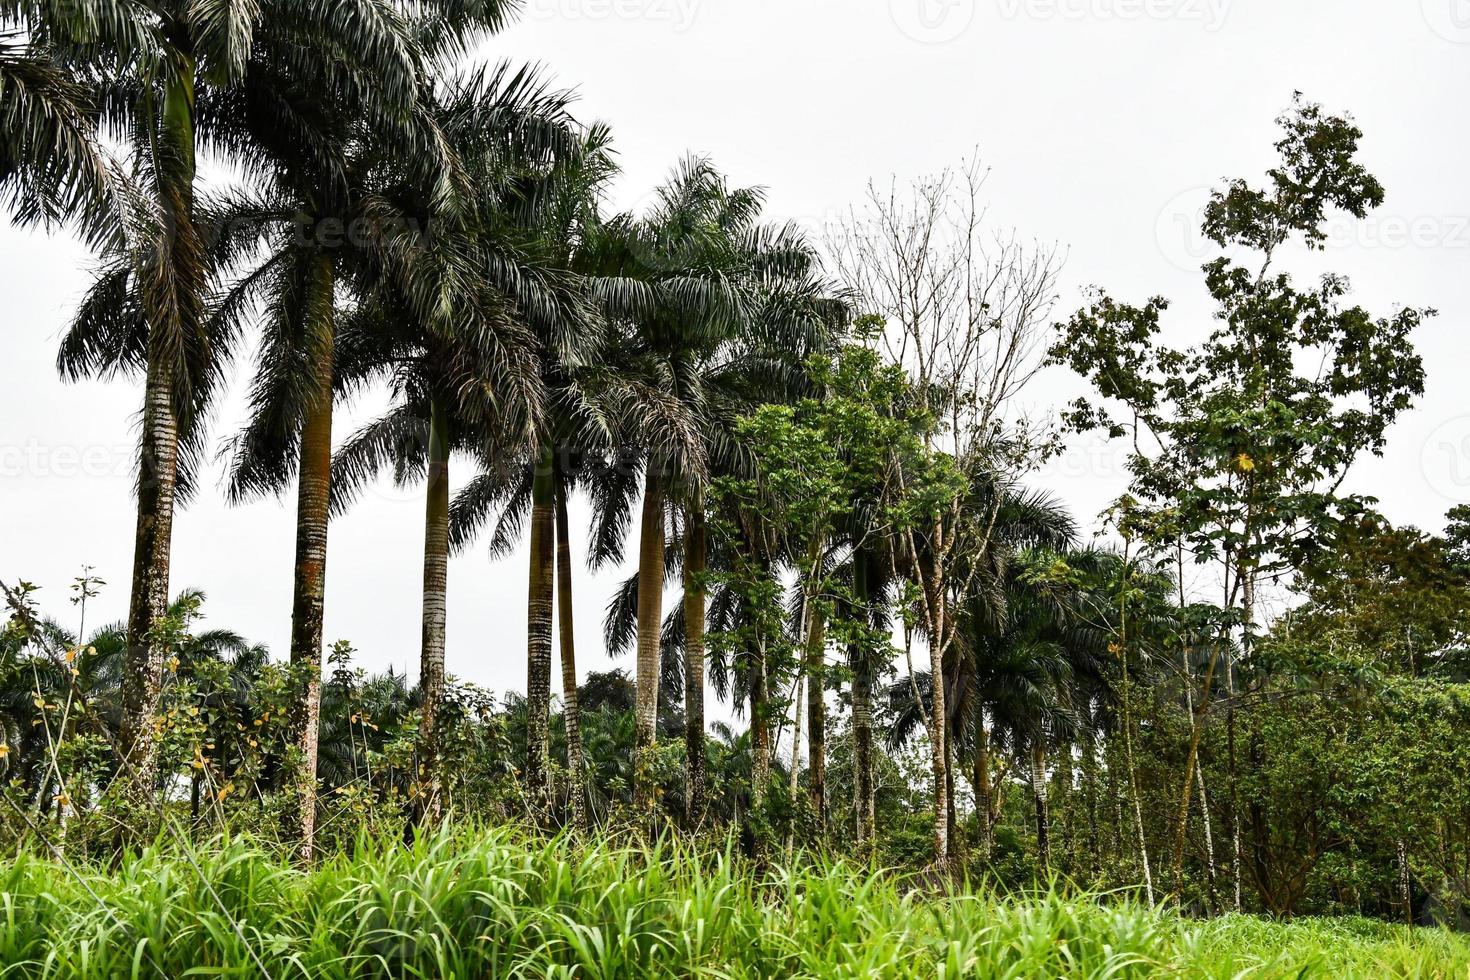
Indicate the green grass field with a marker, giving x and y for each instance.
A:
(492, 904)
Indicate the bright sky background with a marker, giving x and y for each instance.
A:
(1103, 121)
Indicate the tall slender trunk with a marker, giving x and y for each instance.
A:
(1043, 808)
(760, 728)
(1135, 797)
(650, 624)
(142, 683)
(436, 581)
(313, 501)
(1191, 759)
(939, 716)
(570, 711)
(816, 717)
(1089, 794)
(798, 691)
(984, 807)
(862, 708)
(538, 628)
(1064, 805)
(695, 556)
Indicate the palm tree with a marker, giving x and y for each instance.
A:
(453, 323)
(52, 168)
(168, 76)
(741, 306)
(332, 230)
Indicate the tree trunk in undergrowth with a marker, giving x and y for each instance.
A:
(571, 710)
(816, 718)
(695, 548)
(650, 625)
(862, 711)
(181, 266)
(984, 806)
(938, 715)
(435, 607)
(1043, 807)
(538, 631)
(760, 730)
(313, 502)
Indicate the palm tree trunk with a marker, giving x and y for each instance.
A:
(650, 623)
(695, 555)
(436, 581)
(143, 671)
(570, 713)
(1043, 808)
(142, 683)
(862, 708)
(538, 628)
(313, 500)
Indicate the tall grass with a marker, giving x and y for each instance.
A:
(494, 903)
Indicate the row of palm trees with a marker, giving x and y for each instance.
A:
(398, 220)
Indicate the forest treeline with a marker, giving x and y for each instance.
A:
(813, 454)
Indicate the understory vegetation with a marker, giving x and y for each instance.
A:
(491, 902)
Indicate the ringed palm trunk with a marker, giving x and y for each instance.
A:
(862, 710)
(570, 712)
(695, 557)
(650, 622)
(436, 581)
(312, 514)
(142, 682)
(538, 627)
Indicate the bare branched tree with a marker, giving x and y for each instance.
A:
(965, 311)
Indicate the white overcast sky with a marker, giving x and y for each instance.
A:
(1103, 123)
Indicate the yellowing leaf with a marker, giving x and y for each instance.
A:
(1245, 463)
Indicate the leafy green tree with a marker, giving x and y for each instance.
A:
(1242, 442)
